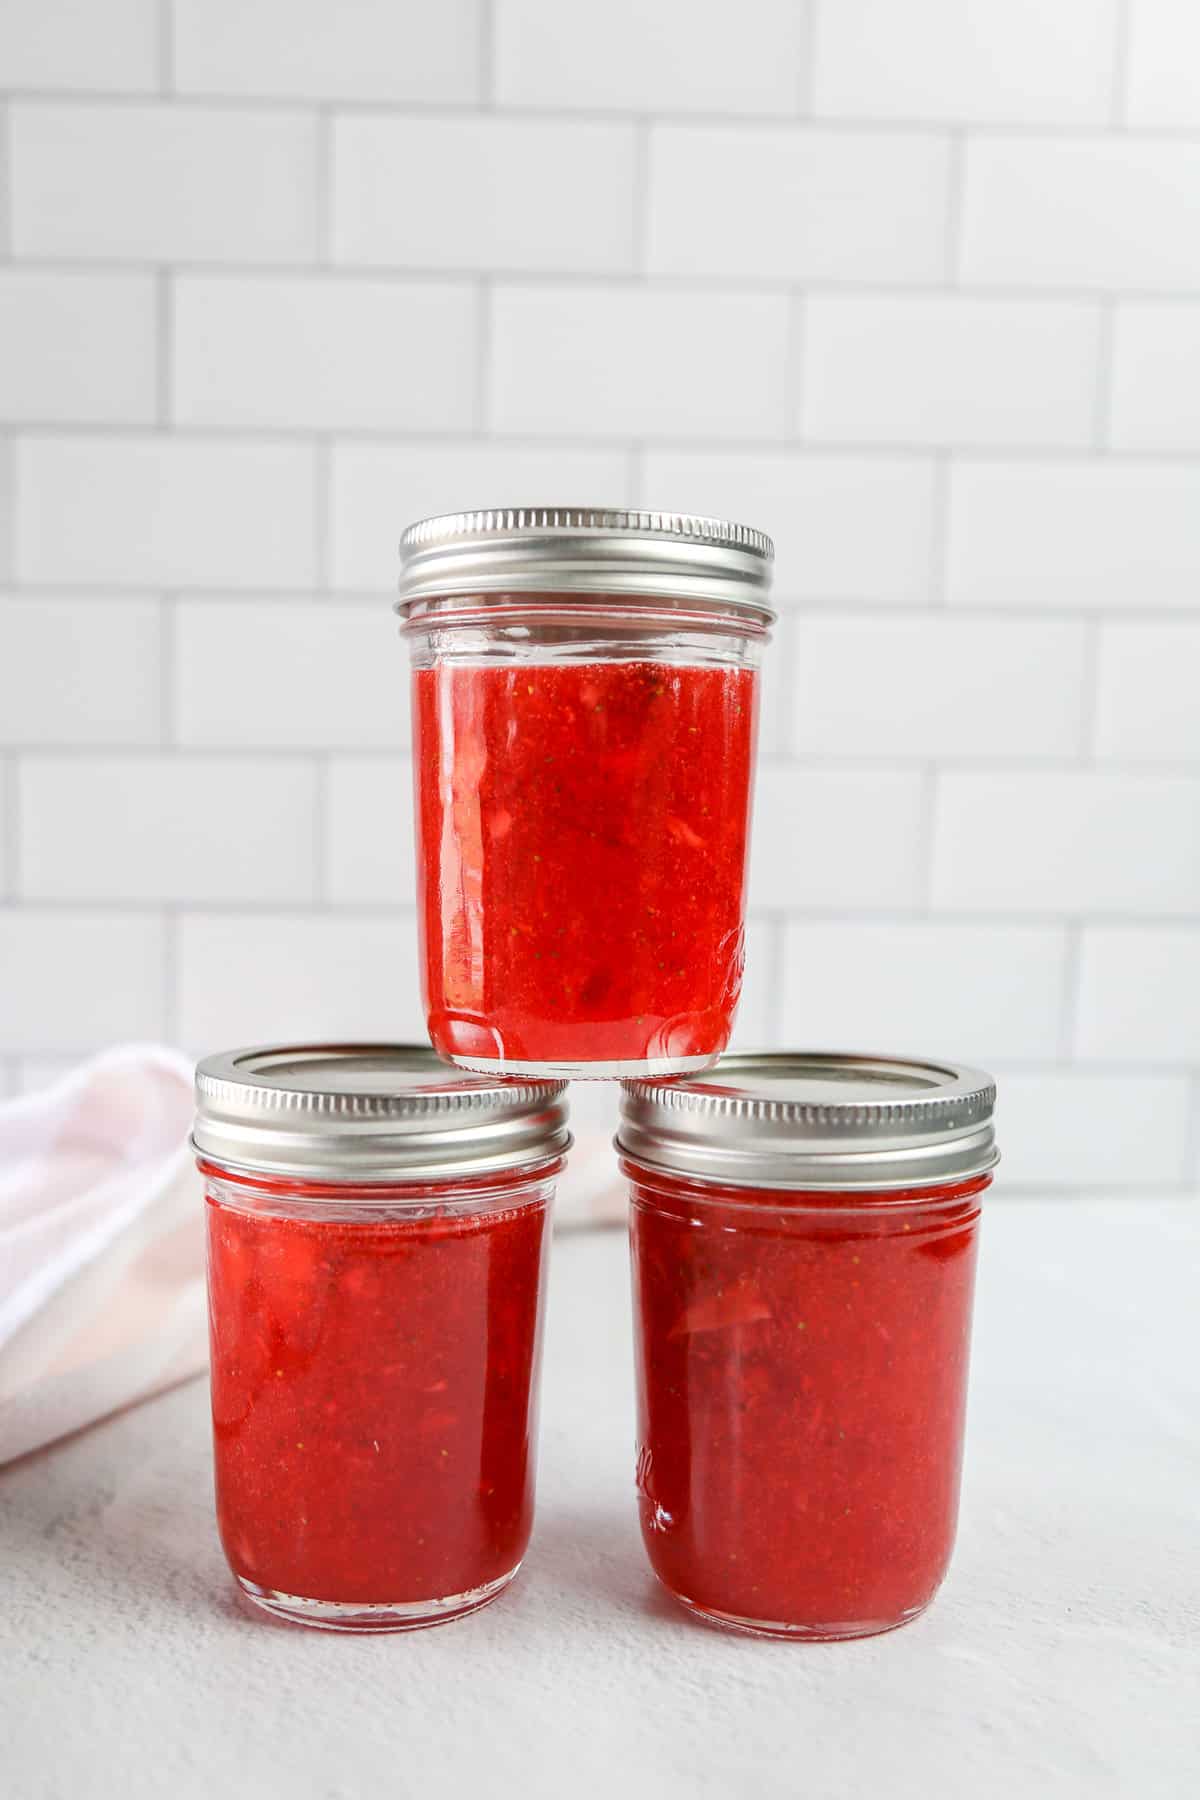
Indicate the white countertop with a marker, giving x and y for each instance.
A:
(1062, 1658)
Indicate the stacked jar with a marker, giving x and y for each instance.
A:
(585, 703)
(377, 1236)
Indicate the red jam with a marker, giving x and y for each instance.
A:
(582, 834)
(802, 1365)
(374, 1385)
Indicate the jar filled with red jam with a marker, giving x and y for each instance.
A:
(585, 700)
(803, 1233)
(377, 1233)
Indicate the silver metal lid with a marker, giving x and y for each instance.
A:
(823, 1121)
(677, 559)
(370, 1112)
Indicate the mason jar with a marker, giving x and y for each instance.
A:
(584, 705)
(377, 1234)
(803, 1233)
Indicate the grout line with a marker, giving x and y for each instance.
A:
(288, 907)
(166, 46)
(1119, 97)
(487, 55)
(1017, 1190)
(956, 182)
(1051, 132)
(164, 318)
(642, 196)
(11, 824)
(1101, 1069)
(7, 788)
(8, 511)
(732, 282)
(323, 188)
(170, 913)
(864, 917)
(777, 961)
(1014, 767)
(484, 329)
(939, 535)
(927, 838)
(794, 384)
(215, 595)
(734, 447)
(321, 834)
(1033, 1067)
(1105, 370)
(810, 51)
(1089, 748)
(857, 606)
(776, 733)
(168, 649)
(1191, 1134)
(6, 185)
(1069, 999)
(250, 751)
(322, 510)
(787, 648)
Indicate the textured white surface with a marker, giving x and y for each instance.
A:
(1062, 1658)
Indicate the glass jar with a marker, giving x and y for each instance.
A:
(585, 699)
(803, 1234)
(377, 1230)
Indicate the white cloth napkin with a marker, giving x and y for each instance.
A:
(101, 1245)
(102, 1237)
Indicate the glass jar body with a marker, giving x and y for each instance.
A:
(374, 1364)
(801, 1372)
(583, 788)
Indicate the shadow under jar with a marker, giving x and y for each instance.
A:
(377, 1232)
(803, 1233)
(585, 702)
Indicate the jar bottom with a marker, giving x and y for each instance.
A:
(825, 1633)
(403, 1615)
(630, 1070)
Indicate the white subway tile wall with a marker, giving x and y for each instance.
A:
(966, 61)
(620, 360)
(791, 205)
(493, 193)
(288, 673)
(915, 288)
(306, 353)
(369, 849)
(166, 828)
(86, 347)
(949, 371)
(1164, 55)
(667, 56)
(59, 44)
(318, 50)
(1155, 398)
(127, 182)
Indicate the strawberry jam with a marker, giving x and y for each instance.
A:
(801, 1358)
(373, 1392)
(582, 854)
